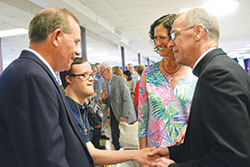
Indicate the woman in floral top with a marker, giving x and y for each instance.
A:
(166, 92)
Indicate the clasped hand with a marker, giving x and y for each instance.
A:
(158, 158)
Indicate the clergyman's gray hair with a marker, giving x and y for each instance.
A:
(201, 16)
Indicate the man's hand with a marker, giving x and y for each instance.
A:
(162, 162)
(104, 94)
(163, 152)
(142, 156)
(123, 119)
(181, 136)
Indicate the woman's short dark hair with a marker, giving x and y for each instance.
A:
(128, 74)
(166, 20)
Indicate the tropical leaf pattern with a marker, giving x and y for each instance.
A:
(163, 111)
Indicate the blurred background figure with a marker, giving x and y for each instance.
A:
(96, 130)
(131, 84)
(132, 71)
(116, 94)
(117, 70)
(98, 76)
(165, 93)
(139, 71)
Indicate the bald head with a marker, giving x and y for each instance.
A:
(201, 16)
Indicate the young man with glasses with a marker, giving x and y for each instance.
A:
(78, 85)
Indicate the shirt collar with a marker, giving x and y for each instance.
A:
(203, 55)
(44, 61)
(74, 103)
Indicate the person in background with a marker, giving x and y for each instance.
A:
(117, 71)
(218, 132)
(96, 130)
(116, 94)
(133, 73)
(37, 126)
(131, 84)
(98, 76)
(166, 91)
(78, 85)
(104, 107)
(139, 70)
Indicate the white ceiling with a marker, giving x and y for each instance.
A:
(114, 23)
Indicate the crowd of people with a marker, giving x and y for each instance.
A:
(192, 107)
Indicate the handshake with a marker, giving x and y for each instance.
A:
(154, 157)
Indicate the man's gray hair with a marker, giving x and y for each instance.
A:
(106, 66)
(201, 16)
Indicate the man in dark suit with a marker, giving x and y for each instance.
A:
(116, 94)
(218, 133)
(37, 128)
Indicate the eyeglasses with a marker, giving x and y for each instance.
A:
(103, 72)
(85, 76)
(173, 35)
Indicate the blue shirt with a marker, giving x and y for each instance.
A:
(84, 113)
(100, 78)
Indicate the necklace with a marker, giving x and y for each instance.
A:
(168, 71)
(83, 123)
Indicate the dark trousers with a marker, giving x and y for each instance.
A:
(115, 132)
(96, 134)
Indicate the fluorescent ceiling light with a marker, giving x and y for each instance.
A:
(243, 49)
(217, 7)
(13, 32)
(221, 7)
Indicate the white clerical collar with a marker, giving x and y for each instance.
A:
(203, 55)
(44, 61)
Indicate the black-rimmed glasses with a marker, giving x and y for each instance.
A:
(85, 76)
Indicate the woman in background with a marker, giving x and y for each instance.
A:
(166, 90)
(131, 84)
(139, 71)
(117, 71)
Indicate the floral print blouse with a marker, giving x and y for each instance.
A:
(162, 110)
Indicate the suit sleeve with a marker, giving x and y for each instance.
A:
(97, 88)
(33, 123)
(224, 111)
(126, 98)
(104, 86)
